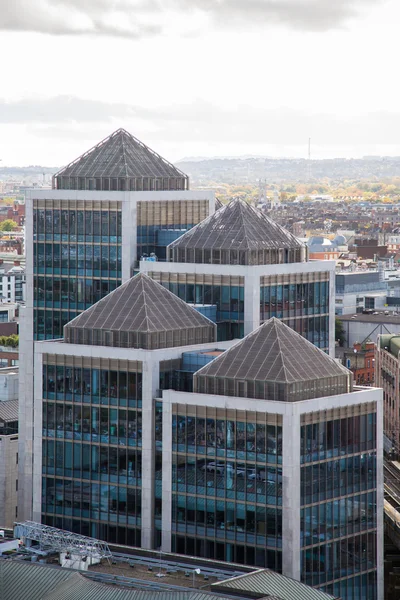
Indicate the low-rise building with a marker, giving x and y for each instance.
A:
(358, 290)
(12, 281)
(360, 327)
(387, 377)
(360, 360)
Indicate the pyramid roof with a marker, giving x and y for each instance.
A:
(275, 354)
(236, 226)
(120, 155)
(139, 308)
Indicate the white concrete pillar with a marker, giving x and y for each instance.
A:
(150, 383)
(291, 494)
(166, 475)
(37, 440)
(251, 300)
(379, 498)
(331, 322)
(129, 235)
(26, 368)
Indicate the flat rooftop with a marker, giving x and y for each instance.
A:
(379, 318)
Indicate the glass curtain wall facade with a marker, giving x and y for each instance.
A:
(224, 291)
(92, 440)
(301, 301)
(161, 222)
(77, 259)
(227, 485)
(338, 502)
(120, 184)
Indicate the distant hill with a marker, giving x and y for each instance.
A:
(250, 170)
(30, 171)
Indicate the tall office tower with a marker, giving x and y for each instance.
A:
(277, 461)
(94, 399)
(117, 202)
(259, 452)
(246, 269)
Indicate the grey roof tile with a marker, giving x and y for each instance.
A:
(120, 155)
(274, 352)
(9, 411)
(237, 226)
(27, 581)
(141, 305)
(16, 578)
(269, 583)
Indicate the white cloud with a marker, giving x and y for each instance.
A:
(142, 18)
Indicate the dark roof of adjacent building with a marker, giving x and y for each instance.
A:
(140, 308)
(236, 226)
(373, 319)
(275, 354)
(269, 584)
(23, 580)
(9, 411)
(120, 155)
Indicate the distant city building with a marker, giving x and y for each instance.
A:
(362, 327)
(298, 229)
(368, 247)
(360, 360)
(16, 213)
(322, 248)
(387, 376)
(358, 290)
(12, 282)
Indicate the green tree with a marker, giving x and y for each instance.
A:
(12, 341)
(340, 335)
(8, 225)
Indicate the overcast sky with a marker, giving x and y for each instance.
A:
(199, 77)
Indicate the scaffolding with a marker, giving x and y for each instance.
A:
(50, 539)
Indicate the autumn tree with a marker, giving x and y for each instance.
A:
(8, 225)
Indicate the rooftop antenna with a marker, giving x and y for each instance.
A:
(309, 160)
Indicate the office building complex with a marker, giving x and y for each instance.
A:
(248, 269)
(276, 460)
(98, 391)
(116, 203)
(258, 452)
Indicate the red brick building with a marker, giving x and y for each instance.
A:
(361, 361)
(15, 213)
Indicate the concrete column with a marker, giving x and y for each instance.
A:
(331, 323)
(291, 494)
(151, 378)
(129, 235)
(26, 368)
(167, 476)
(251, 300)
(379, 498)
(37, 440)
